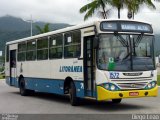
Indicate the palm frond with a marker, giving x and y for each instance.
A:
(95, 5)
(88, 6)
(46, 28)
(150, 4)
(40, 30)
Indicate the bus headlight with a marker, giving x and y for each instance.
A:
(106, 86)
(110, 86)
(151, 85)
(113, 87)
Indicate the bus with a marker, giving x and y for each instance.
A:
(101, 60)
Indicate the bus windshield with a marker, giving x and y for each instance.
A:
(123, 52)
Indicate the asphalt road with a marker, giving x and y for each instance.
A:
(12, 102)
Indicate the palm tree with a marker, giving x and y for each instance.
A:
(45, 29)
(93, 6)
(119, 4)
(133, 6)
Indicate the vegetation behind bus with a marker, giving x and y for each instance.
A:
(44, 29)
(158, 80)
(133, 7)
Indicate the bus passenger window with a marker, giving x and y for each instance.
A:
(42, 49)
(31, 50)
(22, 51)
(72, 45)
(55, 46)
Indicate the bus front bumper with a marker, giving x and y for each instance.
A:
(103, 94)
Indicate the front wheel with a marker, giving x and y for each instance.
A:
(72, 94)
(116, 101)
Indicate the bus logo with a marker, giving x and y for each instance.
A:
(133, 85)
(70, 69)
(114, 75)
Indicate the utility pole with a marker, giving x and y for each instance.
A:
(31, 24)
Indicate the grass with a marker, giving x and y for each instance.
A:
(1, 76)
(158, 80)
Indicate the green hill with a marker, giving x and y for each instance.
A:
(12, 28)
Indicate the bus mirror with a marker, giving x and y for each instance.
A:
(95, 42)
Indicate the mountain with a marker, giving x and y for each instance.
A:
(9, 23)
(12, 28)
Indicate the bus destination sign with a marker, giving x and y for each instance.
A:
(135, 27)
(126, 26)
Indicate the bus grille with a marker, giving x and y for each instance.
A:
(126, 85)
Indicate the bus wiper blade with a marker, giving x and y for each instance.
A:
(139, 38)
(121, 39)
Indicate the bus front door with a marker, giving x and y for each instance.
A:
(89, 67)
(13, 67)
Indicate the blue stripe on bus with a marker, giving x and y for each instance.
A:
(47, 85)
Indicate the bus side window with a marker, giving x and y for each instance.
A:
(42, 48)
(22, 51)
(56, 46)
(72, 44)
(31, 50)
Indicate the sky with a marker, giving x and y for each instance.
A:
(66, 11)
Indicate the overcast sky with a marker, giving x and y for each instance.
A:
(66, 11)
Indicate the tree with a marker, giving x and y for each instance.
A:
(119, 4)
(133, 6)
(93, 6)
(45, 29)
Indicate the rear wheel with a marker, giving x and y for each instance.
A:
(22, 88)
(72, 94)
(116, 101)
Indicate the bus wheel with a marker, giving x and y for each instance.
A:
(116, 101)
(72, 94)
(23, 90)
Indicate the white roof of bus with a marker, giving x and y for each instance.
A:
(91, 23)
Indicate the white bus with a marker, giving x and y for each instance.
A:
(101, 60)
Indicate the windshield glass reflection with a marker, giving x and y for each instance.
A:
(125, 52)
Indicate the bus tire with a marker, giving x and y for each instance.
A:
(72, 94)
(116, 101)
(22, 89)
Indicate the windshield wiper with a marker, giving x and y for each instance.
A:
(139, 38)
(122, 40)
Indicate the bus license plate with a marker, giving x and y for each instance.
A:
(133, 93)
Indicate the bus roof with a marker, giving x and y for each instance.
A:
(79, 26)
